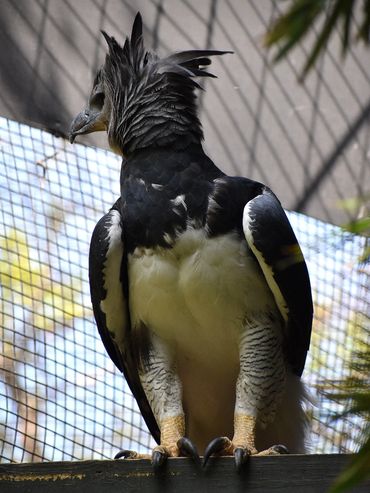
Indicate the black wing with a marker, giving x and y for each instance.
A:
(107, 262)
(273, 242)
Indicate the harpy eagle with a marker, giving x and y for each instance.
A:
(199, 288)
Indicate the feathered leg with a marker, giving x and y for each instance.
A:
(259, 388)
(163, 390)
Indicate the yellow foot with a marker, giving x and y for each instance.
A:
(182, 448)
(131, 454)
(173, 442)
(275, 450)
(222, 446)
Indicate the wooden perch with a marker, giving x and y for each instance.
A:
(286, 473)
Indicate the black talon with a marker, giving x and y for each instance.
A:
(214, 447)
(280, 449)
(188, 448)
(126, 454)
(241, 456)
(158, 460)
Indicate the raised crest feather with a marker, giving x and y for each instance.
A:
(137, 30)
(159, 92)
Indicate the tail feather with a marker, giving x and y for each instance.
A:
(291, 425)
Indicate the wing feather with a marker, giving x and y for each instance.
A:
(275, 246)
(107, 266)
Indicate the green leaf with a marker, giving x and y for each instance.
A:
(347, 20)
(354, 204)
(328, 29)
(364, 29)
(359, 226)
(356, 472)
(292, 26)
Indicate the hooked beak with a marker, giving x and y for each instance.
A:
(86, 122)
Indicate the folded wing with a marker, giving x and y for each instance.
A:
(109, 296)
(273, 242)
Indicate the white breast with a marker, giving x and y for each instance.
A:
(196, 295)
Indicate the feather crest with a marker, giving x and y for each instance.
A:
(153, 100)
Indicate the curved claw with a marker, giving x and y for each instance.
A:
(159, 458)
(187, 448)
(216, 446)
(126, 454)
(241, 456)
(280, 449)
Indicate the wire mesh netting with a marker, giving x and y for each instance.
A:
(310, 141)
(56, 379)
(61, 396)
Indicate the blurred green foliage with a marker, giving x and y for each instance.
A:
(351, 19)
(354, 393)
(328, 16)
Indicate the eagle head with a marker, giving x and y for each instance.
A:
(142, 100)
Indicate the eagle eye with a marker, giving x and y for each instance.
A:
(97, 100)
